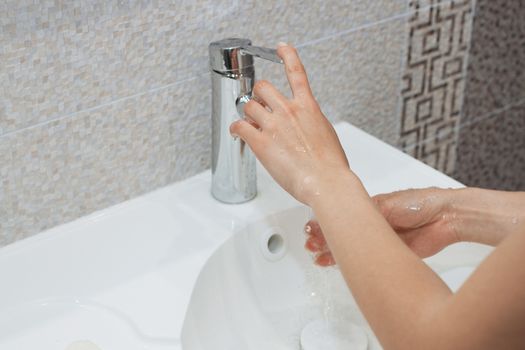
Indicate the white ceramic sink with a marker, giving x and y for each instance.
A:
(122, 278)
(260, 288)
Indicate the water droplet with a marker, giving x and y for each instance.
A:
(414, 207)
(300, 149)
(308, 229)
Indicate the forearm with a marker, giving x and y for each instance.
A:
(485, 216)
(389, 282)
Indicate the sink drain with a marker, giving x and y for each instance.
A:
(275, 243)
(272, 244)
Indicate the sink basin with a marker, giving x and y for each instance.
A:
(260, 289)
(176, 268)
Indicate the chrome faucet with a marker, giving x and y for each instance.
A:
(234, 178)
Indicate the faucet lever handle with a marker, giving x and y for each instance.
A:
(261, 52)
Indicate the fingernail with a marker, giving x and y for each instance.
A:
(280, 44)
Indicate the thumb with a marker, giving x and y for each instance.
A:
(395, 209)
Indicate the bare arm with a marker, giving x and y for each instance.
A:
(406, 303)
(429, 219)
(485, 216)
(408, 306)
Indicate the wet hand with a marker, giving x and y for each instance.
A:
(424, 219)
(291, 137)
(316, 243)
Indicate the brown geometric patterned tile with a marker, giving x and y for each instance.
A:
(433, 80)
(496, 71)
(491, 152)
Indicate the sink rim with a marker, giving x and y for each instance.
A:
(186, 201)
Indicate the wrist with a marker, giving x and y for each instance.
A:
(334, 184)
(485, 216)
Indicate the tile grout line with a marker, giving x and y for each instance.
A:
(406, 13)
(106, 104)
(483, 118)
(494, 113)
(352, 30)
(403, 59)
(465, 74)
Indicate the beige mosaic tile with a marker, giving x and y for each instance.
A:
(355, 77)
(63, 57)
(59, 171)
(301, 22)
(190, 131)
(91, 112)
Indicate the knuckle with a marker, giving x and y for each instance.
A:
(301, 84)
(296, 109)
(296, 68)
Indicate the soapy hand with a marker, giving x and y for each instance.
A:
(424, 219)
(291, 137)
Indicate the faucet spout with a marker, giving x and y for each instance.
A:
(234, 178)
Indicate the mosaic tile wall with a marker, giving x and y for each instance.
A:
(463, 97)
(491, 146)
(433, 81)
(101, 101)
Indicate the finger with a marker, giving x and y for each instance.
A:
(325, 259)
(315, 244)
(247, 132)
(254, 111)
(382, 202)
(268, 93)
(312, 227)
(388, 204)
(295, 71)
(261, 102)
(253, 123)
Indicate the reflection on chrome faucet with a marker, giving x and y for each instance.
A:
(233, 76)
